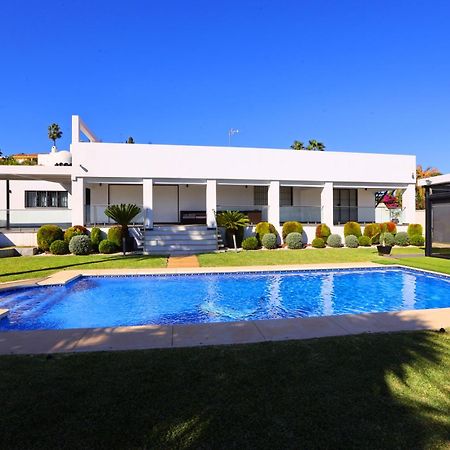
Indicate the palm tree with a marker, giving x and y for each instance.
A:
(54, 132)
(130, 140)
(122, 214)
(298, 145)
(315, 145)
(232, 221)
(420, 191)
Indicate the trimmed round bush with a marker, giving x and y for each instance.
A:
(269, 241)
(389, 227)
(80, 245)
(59, 247)
(250, 243)
(334, 240)
(47, 234)
(76, 230)
(352, 229)
(387, 238)
(106, 246)
(323, 231)
(351, 241)
(372, 230)
(96, 236)
(402, 239)
(263, 228)
(291, 227)
(417, 240)
(415, 229)
(115, 235)
(294, 240)
(318, 243)
(364, 241)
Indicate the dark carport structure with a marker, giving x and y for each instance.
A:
(437, 222)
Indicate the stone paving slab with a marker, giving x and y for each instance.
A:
(182, 261)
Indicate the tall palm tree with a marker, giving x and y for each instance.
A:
(54, 132)
(420, 191)
(298, 145)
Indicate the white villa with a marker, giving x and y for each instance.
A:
(177, 186)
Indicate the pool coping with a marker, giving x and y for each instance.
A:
(216, 333)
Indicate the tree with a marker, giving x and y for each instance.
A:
(232, 221)
(54, 132)
(122, 214)
(298, 145)
(315, 145)
(130, 140)
(420, 191)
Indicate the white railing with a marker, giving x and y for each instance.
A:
(303, 214)
(366, 214)
(95, 215)
(252, 210)
(34, 217)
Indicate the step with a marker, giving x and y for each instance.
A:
(180, 233)
(180, 228)
(177, 252)
(169, 237)
(188, 243)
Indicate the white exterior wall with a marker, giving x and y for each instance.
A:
(366, 205)
(235, 195)
(306, 196)
(193, 197)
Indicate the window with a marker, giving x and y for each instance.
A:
(260, 197)
(46, 199)
(345, 205)
(285, 196)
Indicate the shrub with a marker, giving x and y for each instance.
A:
(250, 243)
(372, 231)
(291, 227)
(47, 234)
(80, 245)
(390, 227)
(334, 240)
(352, 229)
(294, 240)
(115, 236)
(234, 223)
(387, 238)
(364, 241)
(401, 238)
(269, 241)
(417, 240)
(318, 243)
(59, 247)
(263, 228)
(414, 229)
(97, 236)
(351, 241)
(106, 246)
(323, 231)
(76, 230)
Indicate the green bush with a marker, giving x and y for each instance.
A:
(76, 230)
(115, 236)
(372, 231)
(387, 238)
(59, 247)
(318, 243)
(263, 228)
(47, 234)
(401, 238)
(351, 241)
(106, 246)
(97, 236)
(294, 240)
(364, 241)
(323, 231)
(352, 229)
(80, 245)
(417, 240)
(269, 241)
(291, 227)
(390, 227)
(414, 229)
(334, 240)
(250, 243)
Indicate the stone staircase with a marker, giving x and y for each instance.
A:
(179, 240)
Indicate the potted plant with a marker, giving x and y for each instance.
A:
(385, 246)
(123, 214)
(234, 223)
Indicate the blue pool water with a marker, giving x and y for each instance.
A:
(167, 299)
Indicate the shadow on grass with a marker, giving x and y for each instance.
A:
(366, 391)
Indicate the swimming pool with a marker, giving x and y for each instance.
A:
(105, 301)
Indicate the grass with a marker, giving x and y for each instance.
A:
(368, 391)
(25, 267)
(427, 263)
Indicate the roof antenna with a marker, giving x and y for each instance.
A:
(231, 132)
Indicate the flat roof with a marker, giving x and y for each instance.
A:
(48, 173)
(430, 181)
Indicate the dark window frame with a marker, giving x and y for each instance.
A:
(46, 199)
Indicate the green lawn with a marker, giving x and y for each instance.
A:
(385, 391)
(427, 263)
(24, 267)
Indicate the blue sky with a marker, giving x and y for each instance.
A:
(369, 76)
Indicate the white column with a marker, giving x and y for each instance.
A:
(326, 204)
(211, 203)
(78, 201)
(147, 202)
(273, 202)
(409, 204)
